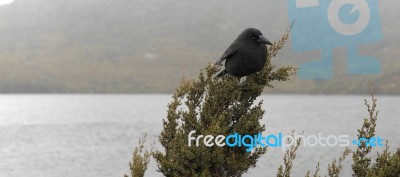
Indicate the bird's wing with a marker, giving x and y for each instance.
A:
(229, 52)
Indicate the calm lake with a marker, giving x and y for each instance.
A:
(94, 135)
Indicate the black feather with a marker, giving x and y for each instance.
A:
(246, 55)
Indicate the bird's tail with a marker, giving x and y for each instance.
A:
(222, 73)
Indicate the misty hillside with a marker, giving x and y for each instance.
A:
(148, 46)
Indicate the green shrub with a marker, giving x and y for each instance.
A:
(213, 106)
(224, 106)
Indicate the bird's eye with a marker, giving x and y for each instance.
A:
(254, 38)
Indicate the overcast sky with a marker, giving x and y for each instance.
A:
(2, 2)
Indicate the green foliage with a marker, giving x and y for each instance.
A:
(140, 159)
(360, 158)
(387, 164)
(213, 106)
(224, 106)
(317, 168)
(336, 166)
(290, 155)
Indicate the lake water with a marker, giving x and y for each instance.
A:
(94, 135)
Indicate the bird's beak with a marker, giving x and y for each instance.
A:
(218, 62)
(261, 39)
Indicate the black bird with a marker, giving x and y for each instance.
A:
(246, 55)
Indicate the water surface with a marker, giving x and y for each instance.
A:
(94, 135)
